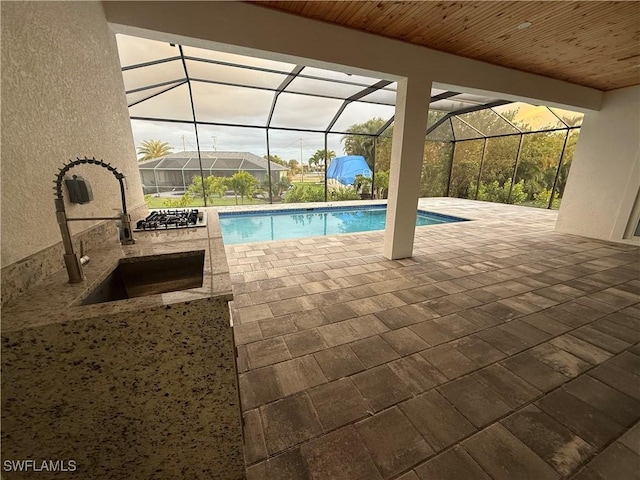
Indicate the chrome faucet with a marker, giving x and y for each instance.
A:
(72, 261)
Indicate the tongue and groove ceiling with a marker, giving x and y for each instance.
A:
(590, 43)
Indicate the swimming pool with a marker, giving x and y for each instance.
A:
(260, 226)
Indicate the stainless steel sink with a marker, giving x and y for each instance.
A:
(149, 275)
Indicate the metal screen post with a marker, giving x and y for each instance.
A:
(484, 151)
(515, 167)
(555, 180)
(326, 160)
(453, 153)
(269, 168)
(373, 170)
(195, 125)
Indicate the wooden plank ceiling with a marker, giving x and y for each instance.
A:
(590, 43)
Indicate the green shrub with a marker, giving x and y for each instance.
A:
(181, 202)
(214, 186)
(345, 193)
(304, 192)
(494, 192)
(542, 199)
(381, 184)
(363, 182)
(518, 194)
(242, 184)
(279, 187)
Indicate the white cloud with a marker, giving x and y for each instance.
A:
(234, 105)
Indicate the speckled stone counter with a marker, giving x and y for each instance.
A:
(132, 389)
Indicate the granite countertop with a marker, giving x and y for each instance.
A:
(57, 301)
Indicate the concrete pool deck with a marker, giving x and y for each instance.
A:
(501, 349)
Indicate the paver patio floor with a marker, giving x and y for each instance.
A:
(501, 349)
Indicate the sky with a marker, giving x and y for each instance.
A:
(229, 104)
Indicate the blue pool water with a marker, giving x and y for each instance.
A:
(245, 227)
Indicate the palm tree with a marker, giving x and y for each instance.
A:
(242, 183)
(294, 167)
(153, 149)
(365, 144)
(276, 159)
(318, 157)
(574, 121)
(362, 144)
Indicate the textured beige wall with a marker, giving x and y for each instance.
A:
(603, 183)
(62, 97)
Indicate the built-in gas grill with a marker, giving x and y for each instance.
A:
(170, 219)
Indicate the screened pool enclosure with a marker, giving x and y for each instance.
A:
(204, 104)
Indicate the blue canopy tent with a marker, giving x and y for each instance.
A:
(345, 169)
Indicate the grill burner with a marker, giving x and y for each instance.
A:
(169, 219)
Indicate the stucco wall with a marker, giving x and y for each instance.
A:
(604, 180)
(62, 97)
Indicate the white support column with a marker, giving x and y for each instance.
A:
(409, 130)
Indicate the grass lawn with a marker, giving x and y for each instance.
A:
(159, 202)
(314, 177)
(309, 184)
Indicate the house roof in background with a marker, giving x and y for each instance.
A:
(210, 161)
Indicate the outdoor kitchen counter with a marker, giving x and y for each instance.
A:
(139, 388)
(57, 300)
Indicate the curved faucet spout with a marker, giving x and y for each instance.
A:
(71, 260)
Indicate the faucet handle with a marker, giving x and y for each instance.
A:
(126, 235)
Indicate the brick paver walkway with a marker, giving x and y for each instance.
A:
(501, 350)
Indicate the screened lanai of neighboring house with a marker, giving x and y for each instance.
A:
(175, 171)
(201, 101)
